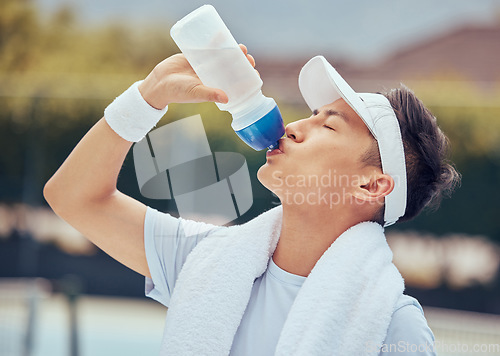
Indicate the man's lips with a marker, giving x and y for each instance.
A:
(276, 151)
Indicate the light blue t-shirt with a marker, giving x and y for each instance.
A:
(169, 240)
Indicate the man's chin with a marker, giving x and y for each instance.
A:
(264, 175)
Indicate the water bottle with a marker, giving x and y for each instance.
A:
(219, 62)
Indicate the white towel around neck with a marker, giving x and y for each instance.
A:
(345, 304)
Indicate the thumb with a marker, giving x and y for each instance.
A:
(204, 93)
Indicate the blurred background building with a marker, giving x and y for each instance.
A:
(62, 62)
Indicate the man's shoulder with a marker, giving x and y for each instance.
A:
(409, 313)
(405, 301)
(408, 330)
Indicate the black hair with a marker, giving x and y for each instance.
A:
(430, 175)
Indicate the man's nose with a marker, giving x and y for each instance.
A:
(295, 130)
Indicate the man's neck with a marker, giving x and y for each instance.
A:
(306, 234)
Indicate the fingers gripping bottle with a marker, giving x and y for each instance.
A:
(219, 62)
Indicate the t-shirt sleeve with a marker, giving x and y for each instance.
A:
(168, 241)
(409, 334)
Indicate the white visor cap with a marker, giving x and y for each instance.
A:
(320, 84)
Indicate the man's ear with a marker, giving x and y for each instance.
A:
(374, 187)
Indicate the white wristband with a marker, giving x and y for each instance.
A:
(130, 116)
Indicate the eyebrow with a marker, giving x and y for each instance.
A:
(334, 113)
(338, 113)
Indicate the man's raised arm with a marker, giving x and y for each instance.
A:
(83, 190)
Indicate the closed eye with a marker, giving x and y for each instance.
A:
(328, 127)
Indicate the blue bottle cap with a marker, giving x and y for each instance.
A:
(264, 132)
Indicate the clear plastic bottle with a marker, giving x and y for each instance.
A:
(219, 62)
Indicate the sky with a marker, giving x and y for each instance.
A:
(361, 31)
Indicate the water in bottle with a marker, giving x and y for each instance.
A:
(219, 62)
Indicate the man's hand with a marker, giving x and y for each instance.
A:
(174, 81)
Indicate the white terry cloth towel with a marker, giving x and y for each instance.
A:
(344, 306)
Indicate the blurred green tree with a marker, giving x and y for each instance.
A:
(55, 79)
